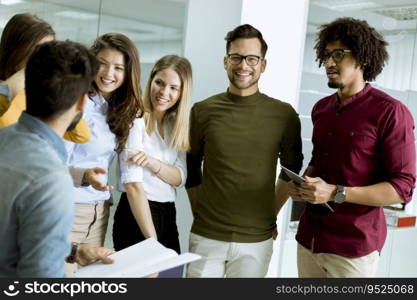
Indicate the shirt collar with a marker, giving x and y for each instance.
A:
(5, 90)
(340, 104)
(45, 132)
(98, 99)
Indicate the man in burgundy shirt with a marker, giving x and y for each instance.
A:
(363, 158)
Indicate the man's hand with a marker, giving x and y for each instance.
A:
(87, 255)
(192, 196)
(294, 191)
(275, 234)
(92, 176)
(316, 190)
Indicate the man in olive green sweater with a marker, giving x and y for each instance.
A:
(239, 134)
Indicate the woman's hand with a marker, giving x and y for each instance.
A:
(140, 158)
(93, 177)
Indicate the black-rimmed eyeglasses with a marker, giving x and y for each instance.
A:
(251, 60)
(337, 55)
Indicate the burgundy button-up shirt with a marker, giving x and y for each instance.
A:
(363, 140)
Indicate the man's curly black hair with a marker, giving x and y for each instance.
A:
(367, 45)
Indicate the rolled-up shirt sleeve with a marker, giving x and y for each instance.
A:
(399, 151)
(77, 175)
(130, 172)
(181, 164)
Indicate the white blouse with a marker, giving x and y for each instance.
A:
(156, 146)
(97, 152)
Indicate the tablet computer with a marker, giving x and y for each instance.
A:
(298, 179)
(293, 176)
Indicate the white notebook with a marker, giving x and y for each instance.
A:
(142, 259)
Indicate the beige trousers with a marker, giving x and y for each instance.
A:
(327, 265)
(90, 226)
(229, 259)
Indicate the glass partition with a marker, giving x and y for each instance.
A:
(156, 27)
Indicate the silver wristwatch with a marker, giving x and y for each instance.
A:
(340, 196)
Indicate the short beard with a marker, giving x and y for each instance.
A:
(75, 121)
(335, 85)
(250, 84)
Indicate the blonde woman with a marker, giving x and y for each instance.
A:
(153, 165)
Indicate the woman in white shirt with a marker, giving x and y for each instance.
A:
(154, 164)
(110, 112)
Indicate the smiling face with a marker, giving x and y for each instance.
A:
(111, 73)
(344, 74)
(244, 78)
(165, 90)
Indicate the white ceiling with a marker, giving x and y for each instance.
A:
(159, 12)
(324, 11)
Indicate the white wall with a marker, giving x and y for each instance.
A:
(283, 25)
(207, 24)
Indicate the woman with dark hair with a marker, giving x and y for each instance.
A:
(20, 37)
(113, 105)
(158, 142)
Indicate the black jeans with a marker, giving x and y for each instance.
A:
(126, 231)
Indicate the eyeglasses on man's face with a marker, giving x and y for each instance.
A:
(337, 55)
(236, 59)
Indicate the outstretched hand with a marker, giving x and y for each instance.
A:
(294, 191)
(92, 176)
(140, 158)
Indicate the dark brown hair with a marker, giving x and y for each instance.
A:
(20, 37)
(125, 103)
(56, 76)
(366, 44)
(245, 31)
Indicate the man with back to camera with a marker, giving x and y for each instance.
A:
(36, 212)
(239, 135)
(363, 157)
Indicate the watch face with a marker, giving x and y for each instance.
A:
(339, 198)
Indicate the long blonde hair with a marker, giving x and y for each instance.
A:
(180, 112)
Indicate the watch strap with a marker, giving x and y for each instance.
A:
(72, 257)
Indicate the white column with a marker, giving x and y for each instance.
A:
(283, 25)
(207, 24)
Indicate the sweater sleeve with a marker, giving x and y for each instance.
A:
(195, 155)
(291, 155)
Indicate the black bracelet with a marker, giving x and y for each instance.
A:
(72, 257)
